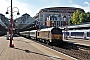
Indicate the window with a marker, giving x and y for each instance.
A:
(41, 15)
(46, 15)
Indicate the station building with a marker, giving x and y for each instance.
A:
(55, 16)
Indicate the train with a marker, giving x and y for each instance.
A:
(81, 31)
(81, 34)
(53, 35)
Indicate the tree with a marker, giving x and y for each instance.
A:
(70, 21)
(79, 17)
(75, 17)
(87, 17)
(82, 17)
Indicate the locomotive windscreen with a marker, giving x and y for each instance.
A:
(56, 31)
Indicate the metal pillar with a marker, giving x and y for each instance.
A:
(66, 26)
(11, 27)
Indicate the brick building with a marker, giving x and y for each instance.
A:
(55, 16)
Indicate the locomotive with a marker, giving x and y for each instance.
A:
(53, 35)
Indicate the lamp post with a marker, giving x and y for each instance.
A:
(11, 23)
(66, 26)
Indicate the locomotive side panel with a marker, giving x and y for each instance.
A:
(45, 35)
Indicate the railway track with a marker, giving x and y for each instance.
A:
(79, 52)
(76, 51)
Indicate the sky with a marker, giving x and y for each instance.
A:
(33, 6)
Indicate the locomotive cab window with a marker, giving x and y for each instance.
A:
(56, 31)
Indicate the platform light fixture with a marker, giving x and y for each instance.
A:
(10, 28)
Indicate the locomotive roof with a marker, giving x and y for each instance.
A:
(47, 29)
(33, 30)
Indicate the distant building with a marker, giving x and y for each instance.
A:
(22, 19)
(4, 19)
(55, 16)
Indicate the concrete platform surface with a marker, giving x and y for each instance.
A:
(79, 41)
(26, 49)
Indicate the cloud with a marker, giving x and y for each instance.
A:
(86, 8)
(3, 6)
(87, 3)
(56, 2)
(32, 10)
(70, 1)
(77, 6)
(23, 8)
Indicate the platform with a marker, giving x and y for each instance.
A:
(85, 42)
(26, 49)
